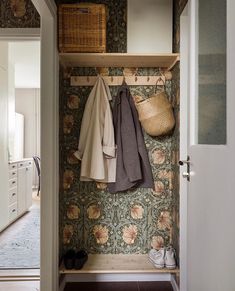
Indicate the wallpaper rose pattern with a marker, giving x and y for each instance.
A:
(91, 217)
(18, 14)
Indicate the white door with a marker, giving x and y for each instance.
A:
(208, 138)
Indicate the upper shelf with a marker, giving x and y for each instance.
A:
(166, 61)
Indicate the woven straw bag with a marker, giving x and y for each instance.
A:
(156, 114)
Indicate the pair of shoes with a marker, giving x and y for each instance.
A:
(163, 258)
(75, 260)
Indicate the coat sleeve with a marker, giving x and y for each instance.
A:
(86, 120)
(109, 148)
(131, 159)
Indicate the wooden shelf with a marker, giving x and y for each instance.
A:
(166, 61)
(117, 264)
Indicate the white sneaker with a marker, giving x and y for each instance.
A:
(170, 258)
(157, 258)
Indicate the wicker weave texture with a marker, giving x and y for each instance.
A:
(156, 115)
(82, 28)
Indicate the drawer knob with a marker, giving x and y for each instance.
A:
(13, 194)
(13, 182)
(13, 210)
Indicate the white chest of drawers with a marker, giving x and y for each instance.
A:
(19, 190)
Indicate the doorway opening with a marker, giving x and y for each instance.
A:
(20, 227)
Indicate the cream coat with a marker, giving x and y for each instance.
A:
(96, 147)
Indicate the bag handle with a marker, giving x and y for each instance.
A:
(160, 80)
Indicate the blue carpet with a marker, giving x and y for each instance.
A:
(20, 243)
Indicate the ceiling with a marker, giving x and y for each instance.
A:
(25, 57)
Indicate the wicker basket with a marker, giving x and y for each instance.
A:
(156, 115)
(82, 28)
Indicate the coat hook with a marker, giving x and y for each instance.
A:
(99, 71)
(160, 81)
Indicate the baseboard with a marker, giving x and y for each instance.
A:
(174, 284)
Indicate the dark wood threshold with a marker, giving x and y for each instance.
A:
(119, 286)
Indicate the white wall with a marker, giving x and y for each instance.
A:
(149, 26)
(27, 102)
(26, 58)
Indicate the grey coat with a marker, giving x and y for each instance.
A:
(133, 167)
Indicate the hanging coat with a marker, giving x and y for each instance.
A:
(133, 167)
(96, 148)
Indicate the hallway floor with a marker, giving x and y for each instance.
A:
(20, 242)
(20, 286)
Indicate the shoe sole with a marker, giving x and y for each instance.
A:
(159, 266)
(156, 265)
(170, 267)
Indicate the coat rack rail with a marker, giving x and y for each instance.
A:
(118, 80)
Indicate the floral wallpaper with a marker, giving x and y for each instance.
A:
(177, 10)
(130, 222)
(18, 14)
(91, 217)
(175, 166)
(116, 22)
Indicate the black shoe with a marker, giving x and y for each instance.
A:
(69, 259)
(80, 259)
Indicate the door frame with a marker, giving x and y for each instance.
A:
(49, 145)
(49, 238)
(184, 131)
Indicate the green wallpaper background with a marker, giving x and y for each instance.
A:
(91, 217)
(130, 222)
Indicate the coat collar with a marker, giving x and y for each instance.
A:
(123, 91)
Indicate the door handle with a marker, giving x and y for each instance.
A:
(187, 173)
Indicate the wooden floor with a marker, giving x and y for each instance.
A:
(119, 286)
